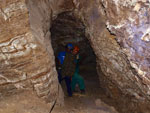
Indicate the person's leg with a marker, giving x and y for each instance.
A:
(73, 83)
(68, 84)
(81, 83)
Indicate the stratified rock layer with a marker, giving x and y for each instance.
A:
(25, 60)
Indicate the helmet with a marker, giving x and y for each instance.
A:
(76, 49)
(69, 46)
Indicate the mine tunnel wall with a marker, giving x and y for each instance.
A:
(27, 53)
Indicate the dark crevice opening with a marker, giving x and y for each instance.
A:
(66, 28)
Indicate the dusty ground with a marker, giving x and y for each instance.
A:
(28, 102)
(91, 101)
(88, 103)
(24, 102)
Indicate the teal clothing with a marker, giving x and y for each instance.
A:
(76, 78)
(77, 63)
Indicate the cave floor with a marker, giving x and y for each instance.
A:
(91, 101)
(22, 102)
(28, 102)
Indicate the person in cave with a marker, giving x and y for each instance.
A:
(68, 67)
(59, 62)
(76, 78)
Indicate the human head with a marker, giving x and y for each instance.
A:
(69, 47)
(75, 50)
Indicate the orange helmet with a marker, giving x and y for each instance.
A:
(76, 49)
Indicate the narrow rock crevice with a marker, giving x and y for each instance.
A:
(67, 28)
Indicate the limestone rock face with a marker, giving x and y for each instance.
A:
(133, 35)
(119, 34)
(16, 42)
(118, 30)
(26, 62)
(131, 23)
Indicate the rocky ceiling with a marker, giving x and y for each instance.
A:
(118, 31)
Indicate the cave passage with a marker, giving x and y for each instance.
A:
(66, 28)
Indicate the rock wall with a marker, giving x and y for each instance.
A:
(26, 55)
(16, 42)
(119, 34)
(26, 58)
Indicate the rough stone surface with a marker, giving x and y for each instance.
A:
(123, 55)
(27, 58)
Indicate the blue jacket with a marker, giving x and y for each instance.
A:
(61, 56)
